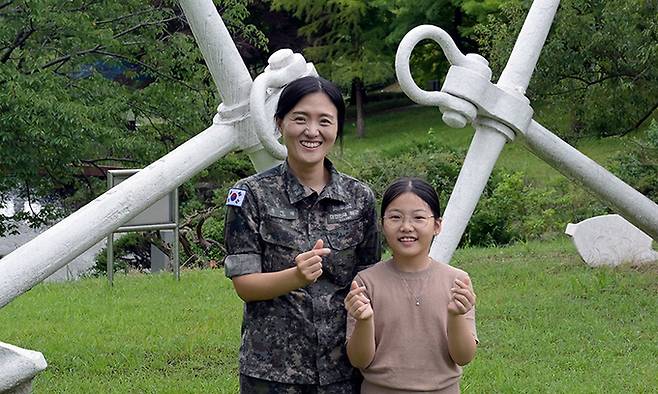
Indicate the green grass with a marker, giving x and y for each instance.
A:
(147, 334)
(389, 130)
(549, 323)
(546, 322)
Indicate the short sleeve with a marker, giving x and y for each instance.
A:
(241, 235)
(369, 250)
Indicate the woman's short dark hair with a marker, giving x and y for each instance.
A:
(416, 186)
(297, 89)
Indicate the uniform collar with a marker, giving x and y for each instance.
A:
(296, 191)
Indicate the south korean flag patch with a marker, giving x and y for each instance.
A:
(236, 197)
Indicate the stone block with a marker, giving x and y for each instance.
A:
(610, 240)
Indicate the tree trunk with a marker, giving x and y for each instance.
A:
(359, 93)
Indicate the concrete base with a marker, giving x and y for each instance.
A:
(22, 388)
(18, 367)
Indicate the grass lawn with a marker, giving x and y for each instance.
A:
(546, 321)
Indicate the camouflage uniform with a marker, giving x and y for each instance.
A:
(299, 337)
(249, 385)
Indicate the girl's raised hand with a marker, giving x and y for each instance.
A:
(357, 303)
(462, 297)
(309, 264)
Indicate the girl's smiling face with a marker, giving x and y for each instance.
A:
(409, 226)
(309, 129)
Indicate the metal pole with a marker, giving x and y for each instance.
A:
(176, 240)
(222, 57)
(482, 154)
(110, 258)
(528, 45)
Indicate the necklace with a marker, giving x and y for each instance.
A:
(418, 298)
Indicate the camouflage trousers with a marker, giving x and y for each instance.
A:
(249, 385)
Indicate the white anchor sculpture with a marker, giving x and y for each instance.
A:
(244, 122)
(500, 112)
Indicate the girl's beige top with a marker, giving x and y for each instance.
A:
(411, 340)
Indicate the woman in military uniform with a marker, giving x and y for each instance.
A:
(296, 235)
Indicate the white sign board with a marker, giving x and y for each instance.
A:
(160, 213)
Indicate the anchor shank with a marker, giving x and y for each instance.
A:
(222, 57)
(482, 154)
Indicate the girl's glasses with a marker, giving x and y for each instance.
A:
(396, 219)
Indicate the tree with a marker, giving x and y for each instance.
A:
(346, 43)
(74, 74)
(457, 17)
(598, 65)
(354, 42)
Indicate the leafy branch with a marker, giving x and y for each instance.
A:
(6, 4)
(122, 17)
(140, 25)
(642, 119)
(20, 39)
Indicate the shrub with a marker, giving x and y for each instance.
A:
(436, 163)
(639, 168)
(513, 209)
(510, 209)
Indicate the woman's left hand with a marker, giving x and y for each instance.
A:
(462, 297)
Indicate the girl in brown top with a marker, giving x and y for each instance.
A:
(411, 320)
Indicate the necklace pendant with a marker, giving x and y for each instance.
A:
(417, 303)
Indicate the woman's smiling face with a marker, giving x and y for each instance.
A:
(309, 129)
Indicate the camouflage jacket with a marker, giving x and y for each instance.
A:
(299, 337)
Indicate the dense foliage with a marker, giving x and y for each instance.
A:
(639, 166)
(597, 71)
(88, 85)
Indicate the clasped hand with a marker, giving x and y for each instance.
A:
(462, 297)
(309, 264)
(357, 302)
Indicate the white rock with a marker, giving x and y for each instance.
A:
(611, 240)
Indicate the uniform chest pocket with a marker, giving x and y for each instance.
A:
(346, 235)
(282, 242)
(343, 241)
